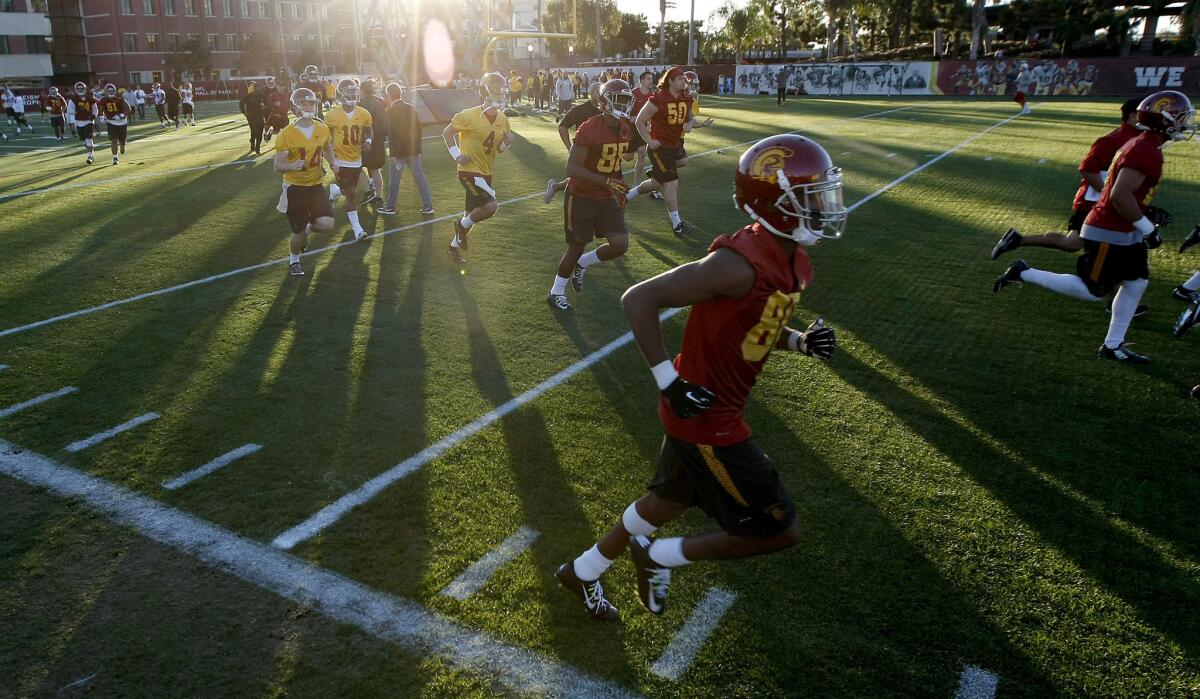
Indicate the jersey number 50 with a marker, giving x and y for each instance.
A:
(762, 337)
(676, 113)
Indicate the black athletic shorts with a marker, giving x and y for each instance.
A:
(375, 158)
(306, 204)
(57, 121)
(10, 112)
(736, 485)
(585, 218)
(476, 195)
(118, 132)
(187, 109)
(1103, 266)
(85, 132)
(663, 161)
(161, 111)
(278, 122)
(1075, 223)
(347, 178)
(173, 111)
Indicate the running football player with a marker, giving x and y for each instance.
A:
(742, 295)
(278, 105)
(641, 94)
(595, 202)
(351, 132)
(298, 153)
(474, 137)
(159, 95)
(114, 111)
(56, 106)
(662, 122)
(82, 111)
(186, 97)
(311, 78)
(1117, 233)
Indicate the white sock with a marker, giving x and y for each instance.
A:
(353, 216)
(589, 258)
(560, 286)
(631, 194)
(1067, 284)
(1193, 284)
(675, 219)
(591, 564)
(293, 258)
(454, 241)
(668, 552)
(466, 222)
(334, 191)
(1125, 304)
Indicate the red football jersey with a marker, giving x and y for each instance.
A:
(56, 106)
(1099, 157)
(640, 99)
(1142, 154)
(83, 107)
(605, 146)
(278, 103)
(727, 341)
(667, 124)
(114, 110)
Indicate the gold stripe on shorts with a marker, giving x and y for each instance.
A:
(1101, 253)
(722, 475)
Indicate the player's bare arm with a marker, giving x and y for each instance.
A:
(1128, 180)
(643, 124)
(1093, 179)
(327, 151)
(450, 136)
(282, 164)
(565, 135)
(507, 141)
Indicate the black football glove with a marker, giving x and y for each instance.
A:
(1159, 217)
(1153, 240)
(688, 399)
(818, 340)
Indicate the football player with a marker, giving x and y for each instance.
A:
(742, 295)
(350, 128)
(1117, 233)
(641, 94)
(573, 119)
(662, 122)
(159, 95)
(311, 78)
(474, 137)
(18, 113)
(595, 202)
(186, 97)
(56, 106)
(1093, 169)
(114, 111)
(253, 106)
(82, 110)
(298, 153)
(1189, 291)
(278, 105)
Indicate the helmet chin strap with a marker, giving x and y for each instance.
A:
(800, 234)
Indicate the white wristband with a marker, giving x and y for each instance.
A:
(664, 374)
(1144, 226)
(793, 341)
(455, 152)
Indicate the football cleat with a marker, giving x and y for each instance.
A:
(559, 302)
(1182, 293)
(653, 580)
(656, 195)
(1009, 241)
(1012, 275)
(1121, 353)
(385, 211)
(360, 234)
(577, 278)
(1196, 391)
(90, 160)
(294, 270)
(334, 192)
(681, 230)
(116, 160)
(371, 198)
(549, 197)
(455, 254)
(1188, 317)
(426, 211)
(1192, 239)
(592, 593)
(460, 234)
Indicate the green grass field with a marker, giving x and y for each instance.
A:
(975, 487)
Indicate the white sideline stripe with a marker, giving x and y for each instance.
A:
(3, 367)
(683, 648)
(365, 492)
(12, 409)
(128, 178)
(401, 622)
(476, 576)
(110, 433)
(217, 463)
(891, 155)
(976, 683)
(338, 508)
(327, 248)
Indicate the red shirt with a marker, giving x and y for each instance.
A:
(727, 340)
(83, 107)
(667, 124)
(57, 106)
(278, 103)
(640, 99)
(114, 109)
(605, 147)
(1099, 157)
(1142, 154)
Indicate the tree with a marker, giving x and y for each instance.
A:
(741, 27)
(556, 17)
(192, 57)
(633, 35)
(257, 54)
(676, 34)
(309, 56)
(978, 27)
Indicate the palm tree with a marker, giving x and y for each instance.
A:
(743, 26)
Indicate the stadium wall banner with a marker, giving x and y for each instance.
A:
(878, 78)
(1101, 77)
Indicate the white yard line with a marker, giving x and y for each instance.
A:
(976, 683)
(402, 622)
(316, 251)
(476, 576)
(13, 409)
(3, 367)
(683, 648)
(110, 433)
(334, 511)
(217, 463)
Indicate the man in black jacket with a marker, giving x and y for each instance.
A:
(376, 157)
(404, 139)
(254, 108)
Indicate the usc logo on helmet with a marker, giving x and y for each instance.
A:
(1161, 105)
(769, 162)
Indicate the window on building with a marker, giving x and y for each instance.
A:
(208, 8)
(172, 42)
(245, 8)
(227, 7)
(189, 8)
(147, 7)
(328, 42)
(212, 42)
(126, 7)
(324, 11)
(296, 42)
(231, 42)
(135, 78)
(36, 44)
(262, 9)
(168, 7)
(130, 43)
(295, 10)
(193, 38)
(9, 6)
(312, 11)
(3, 45)
(152, 42)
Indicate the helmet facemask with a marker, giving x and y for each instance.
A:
(818, 208)
(619, 104)
(80, 89)
(305, 103)
(349, 92)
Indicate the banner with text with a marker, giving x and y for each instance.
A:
(898, 78)
(1102, 77)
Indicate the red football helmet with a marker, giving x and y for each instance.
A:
(1168, 112)
(693, 81)
(789, 184)
(617, 99)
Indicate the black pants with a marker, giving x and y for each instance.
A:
(141, 110)
(781, 96)
(256, 131)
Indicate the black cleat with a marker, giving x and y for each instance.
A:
(577, 278)
(1012, 275)
(559, 302)
(653, 580)
(456, 255)
(1196, 391)
(426, 211)
(681, 230)
(294, 270)
(1192, 238)
(460, 234)
(592, 593)
(1009, 241)
(656, 195)
(1121, 354)
(1188, 317)
(1182, 293)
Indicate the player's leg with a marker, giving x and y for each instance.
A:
(299, 221)
(114, 142)
(1073, 285)
(1187, 290)
(375, 174)
(671, 195)
(85, 135)
(347, 179)
(610, 225)
(566, 266)
(1128, 269)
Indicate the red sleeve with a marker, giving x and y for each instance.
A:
(585, 135)
(1146, 159)
(1099, 156)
